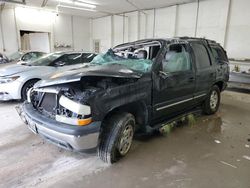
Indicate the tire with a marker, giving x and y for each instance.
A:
(29, 84)
(212, 102)
(116, 137)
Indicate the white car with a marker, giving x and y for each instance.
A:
(16, 80)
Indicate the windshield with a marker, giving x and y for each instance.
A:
(46, 60)
(130, 62)
(15, 56)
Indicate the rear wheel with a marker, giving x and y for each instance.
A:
(28, 85)
(212, 102)
(116, 137)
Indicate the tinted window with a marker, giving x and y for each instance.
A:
(46, 60)
(219, 53)
(87, 57)
(201, 56)
(71, 59)
(176, 59)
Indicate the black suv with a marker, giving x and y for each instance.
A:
(134, 87)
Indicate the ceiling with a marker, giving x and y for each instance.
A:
(103, 7)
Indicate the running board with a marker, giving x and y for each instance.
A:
(167, 124)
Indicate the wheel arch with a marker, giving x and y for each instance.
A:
(138, 109)
(220, 84)
(26, 81)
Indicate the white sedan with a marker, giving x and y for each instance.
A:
(16, 80)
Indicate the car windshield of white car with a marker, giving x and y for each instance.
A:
(46, 60)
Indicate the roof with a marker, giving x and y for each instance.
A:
(162, 40)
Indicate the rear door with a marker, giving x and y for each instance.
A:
(205, 72)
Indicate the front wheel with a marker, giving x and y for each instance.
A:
(28, 85)
(116, 137)
(212, 102)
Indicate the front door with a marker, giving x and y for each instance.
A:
(174, 84)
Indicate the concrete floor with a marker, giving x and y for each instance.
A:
(214, 152)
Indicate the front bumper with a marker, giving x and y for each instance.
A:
(10, 91)
(71, 137)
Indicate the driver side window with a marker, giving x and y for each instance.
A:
(176, 59)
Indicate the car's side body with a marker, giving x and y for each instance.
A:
(25, 72)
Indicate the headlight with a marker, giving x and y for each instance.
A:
(4, 80)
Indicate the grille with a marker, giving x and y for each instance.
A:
(49, 102)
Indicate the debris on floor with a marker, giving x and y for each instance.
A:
(225, 163)
(247, 146)
(246, 157)
(217, 141)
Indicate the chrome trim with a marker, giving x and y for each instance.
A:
(28, 94)
(198, 96)
(173, 104)
(74, 106)
(67, 120)
(186, 100)
(47, 90)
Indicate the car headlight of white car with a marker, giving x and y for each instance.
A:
(4, 80)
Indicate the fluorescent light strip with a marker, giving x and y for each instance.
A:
(88, 2)
(77, 3)
(84, 5)
(66, 1)
(78, 8)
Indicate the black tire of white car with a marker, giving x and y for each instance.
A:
(29, 84)
(212, 102)
(116, 137)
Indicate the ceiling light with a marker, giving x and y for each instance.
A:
(88, 2)
(78, 8)
(85, 5)
(65, 1)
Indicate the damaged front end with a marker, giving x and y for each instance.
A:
(68, 108)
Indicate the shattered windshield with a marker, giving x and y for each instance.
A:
(134, 63)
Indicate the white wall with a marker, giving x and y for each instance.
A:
(63, 29)
(9, 31)
(186, 20)
(165, 22)
(1, 36)
(132, 26)
(81, 33)
(213, 22)
(118, 29)
(212, 19)
(35, 42)
(238, 36)
(102, 30)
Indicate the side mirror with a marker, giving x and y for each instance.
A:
(59, 64)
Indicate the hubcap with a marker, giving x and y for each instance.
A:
(213, 100)
(126, 139)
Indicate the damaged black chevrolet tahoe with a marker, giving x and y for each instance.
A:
(134, 87)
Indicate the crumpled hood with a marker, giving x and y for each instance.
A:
(14, 69)
(108, 70)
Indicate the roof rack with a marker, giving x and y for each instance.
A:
(197, 38)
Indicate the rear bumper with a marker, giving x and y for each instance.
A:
(74, 138)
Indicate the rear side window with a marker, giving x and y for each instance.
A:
(201, 56)
(71, 59)
(87, 57)
(219, 53)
